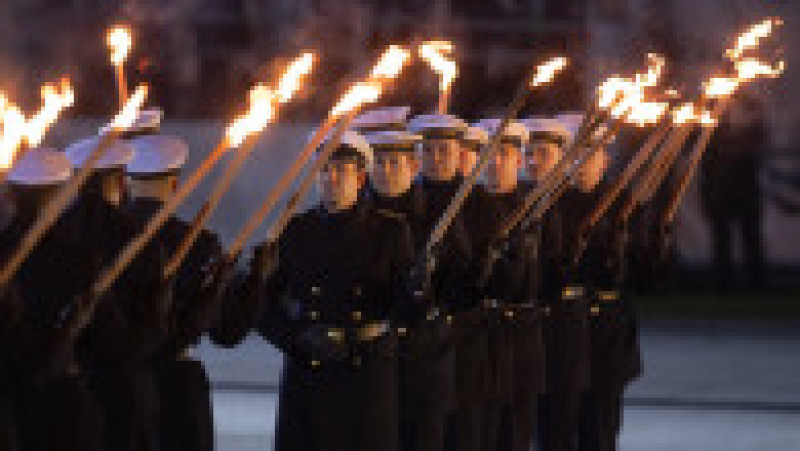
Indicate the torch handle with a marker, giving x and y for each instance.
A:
(591, 120)
(204, 215)
(257, 218)
(135, 246)
(447, 218)
(122, 85)
(659, 168)
(656, 137)
(293, 203)
(53, 209)
(694, 163)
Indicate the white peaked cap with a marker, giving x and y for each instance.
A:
(477, 135)
(157, 154)
(545, 128)
(514, 130)
(41, 167)
(433, 124)
(392, 138)
(351, 139)
(117, 155)
(382, 119)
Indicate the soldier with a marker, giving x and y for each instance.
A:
(328, 302)
(132, 322)
(426, 356)
(183, 387)
(44, 313)
(567, 331)
(615, 360)
(440, 180)
(510, 310)
(472, 143)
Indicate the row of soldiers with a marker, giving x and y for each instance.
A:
(481, 344)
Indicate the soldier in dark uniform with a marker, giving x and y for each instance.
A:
(564, 315)
(425, 349)
(507, 280)
(44, 313)
(327, 304)
(8, 307)
(183, 387)
(441, 154)
(131, 323)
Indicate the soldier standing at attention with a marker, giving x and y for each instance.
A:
(510, 310)
(44, 314)
(184, 394)
(441, 155)
(131, 324)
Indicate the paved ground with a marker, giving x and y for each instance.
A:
(706, 387)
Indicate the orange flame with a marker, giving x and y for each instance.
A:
(387, 68)
(751, 68)
(547, 71)
(55, 100)
(688, 113)
(127, 116)
(390, 63)
(290, 82)
(435, 53)
(119, 41)
(13, 132)
(750, 38)
(261, 111)
(630, 93)
(643, 113)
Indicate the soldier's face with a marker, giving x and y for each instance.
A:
(503, 170)
(441, 159)
(469, 158)
(541, 158)
(339, 183)
(591, 173)
(393, 173)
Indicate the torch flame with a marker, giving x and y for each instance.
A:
(261, 110)
(390, 63)
(751, 68)
(435, 53)
(55, 99)
(289, 84)
(547, 71)
(120, 42)
(127, 116)
(688, 112)
(643, 113)
(356, 96)
(13, 132)
(750, 39)
(631, 94)
(387, 68)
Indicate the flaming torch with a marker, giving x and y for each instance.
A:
(388, 67)
(119, 42)
(242, 133)
(21, 134)
(56, 206)
(436, 54)
(542, 76)
(263, 107)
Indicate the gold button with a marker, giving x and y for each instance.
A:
(546, 311)
(314, 363)
(595, 310)
(357, 290)
(449, 319)
(356, 315)
(509, 314)
(315, 291)
(402, 331)
(313, 315)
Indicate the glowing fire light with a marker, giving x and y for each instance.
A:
(630, 94)
(55, 99)
(688, 113)
(547, 71)
(435, 53)
(119, 41)
(127, 116)
(752, 37)
(13, 132)
(291, 80)
(387, 68)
